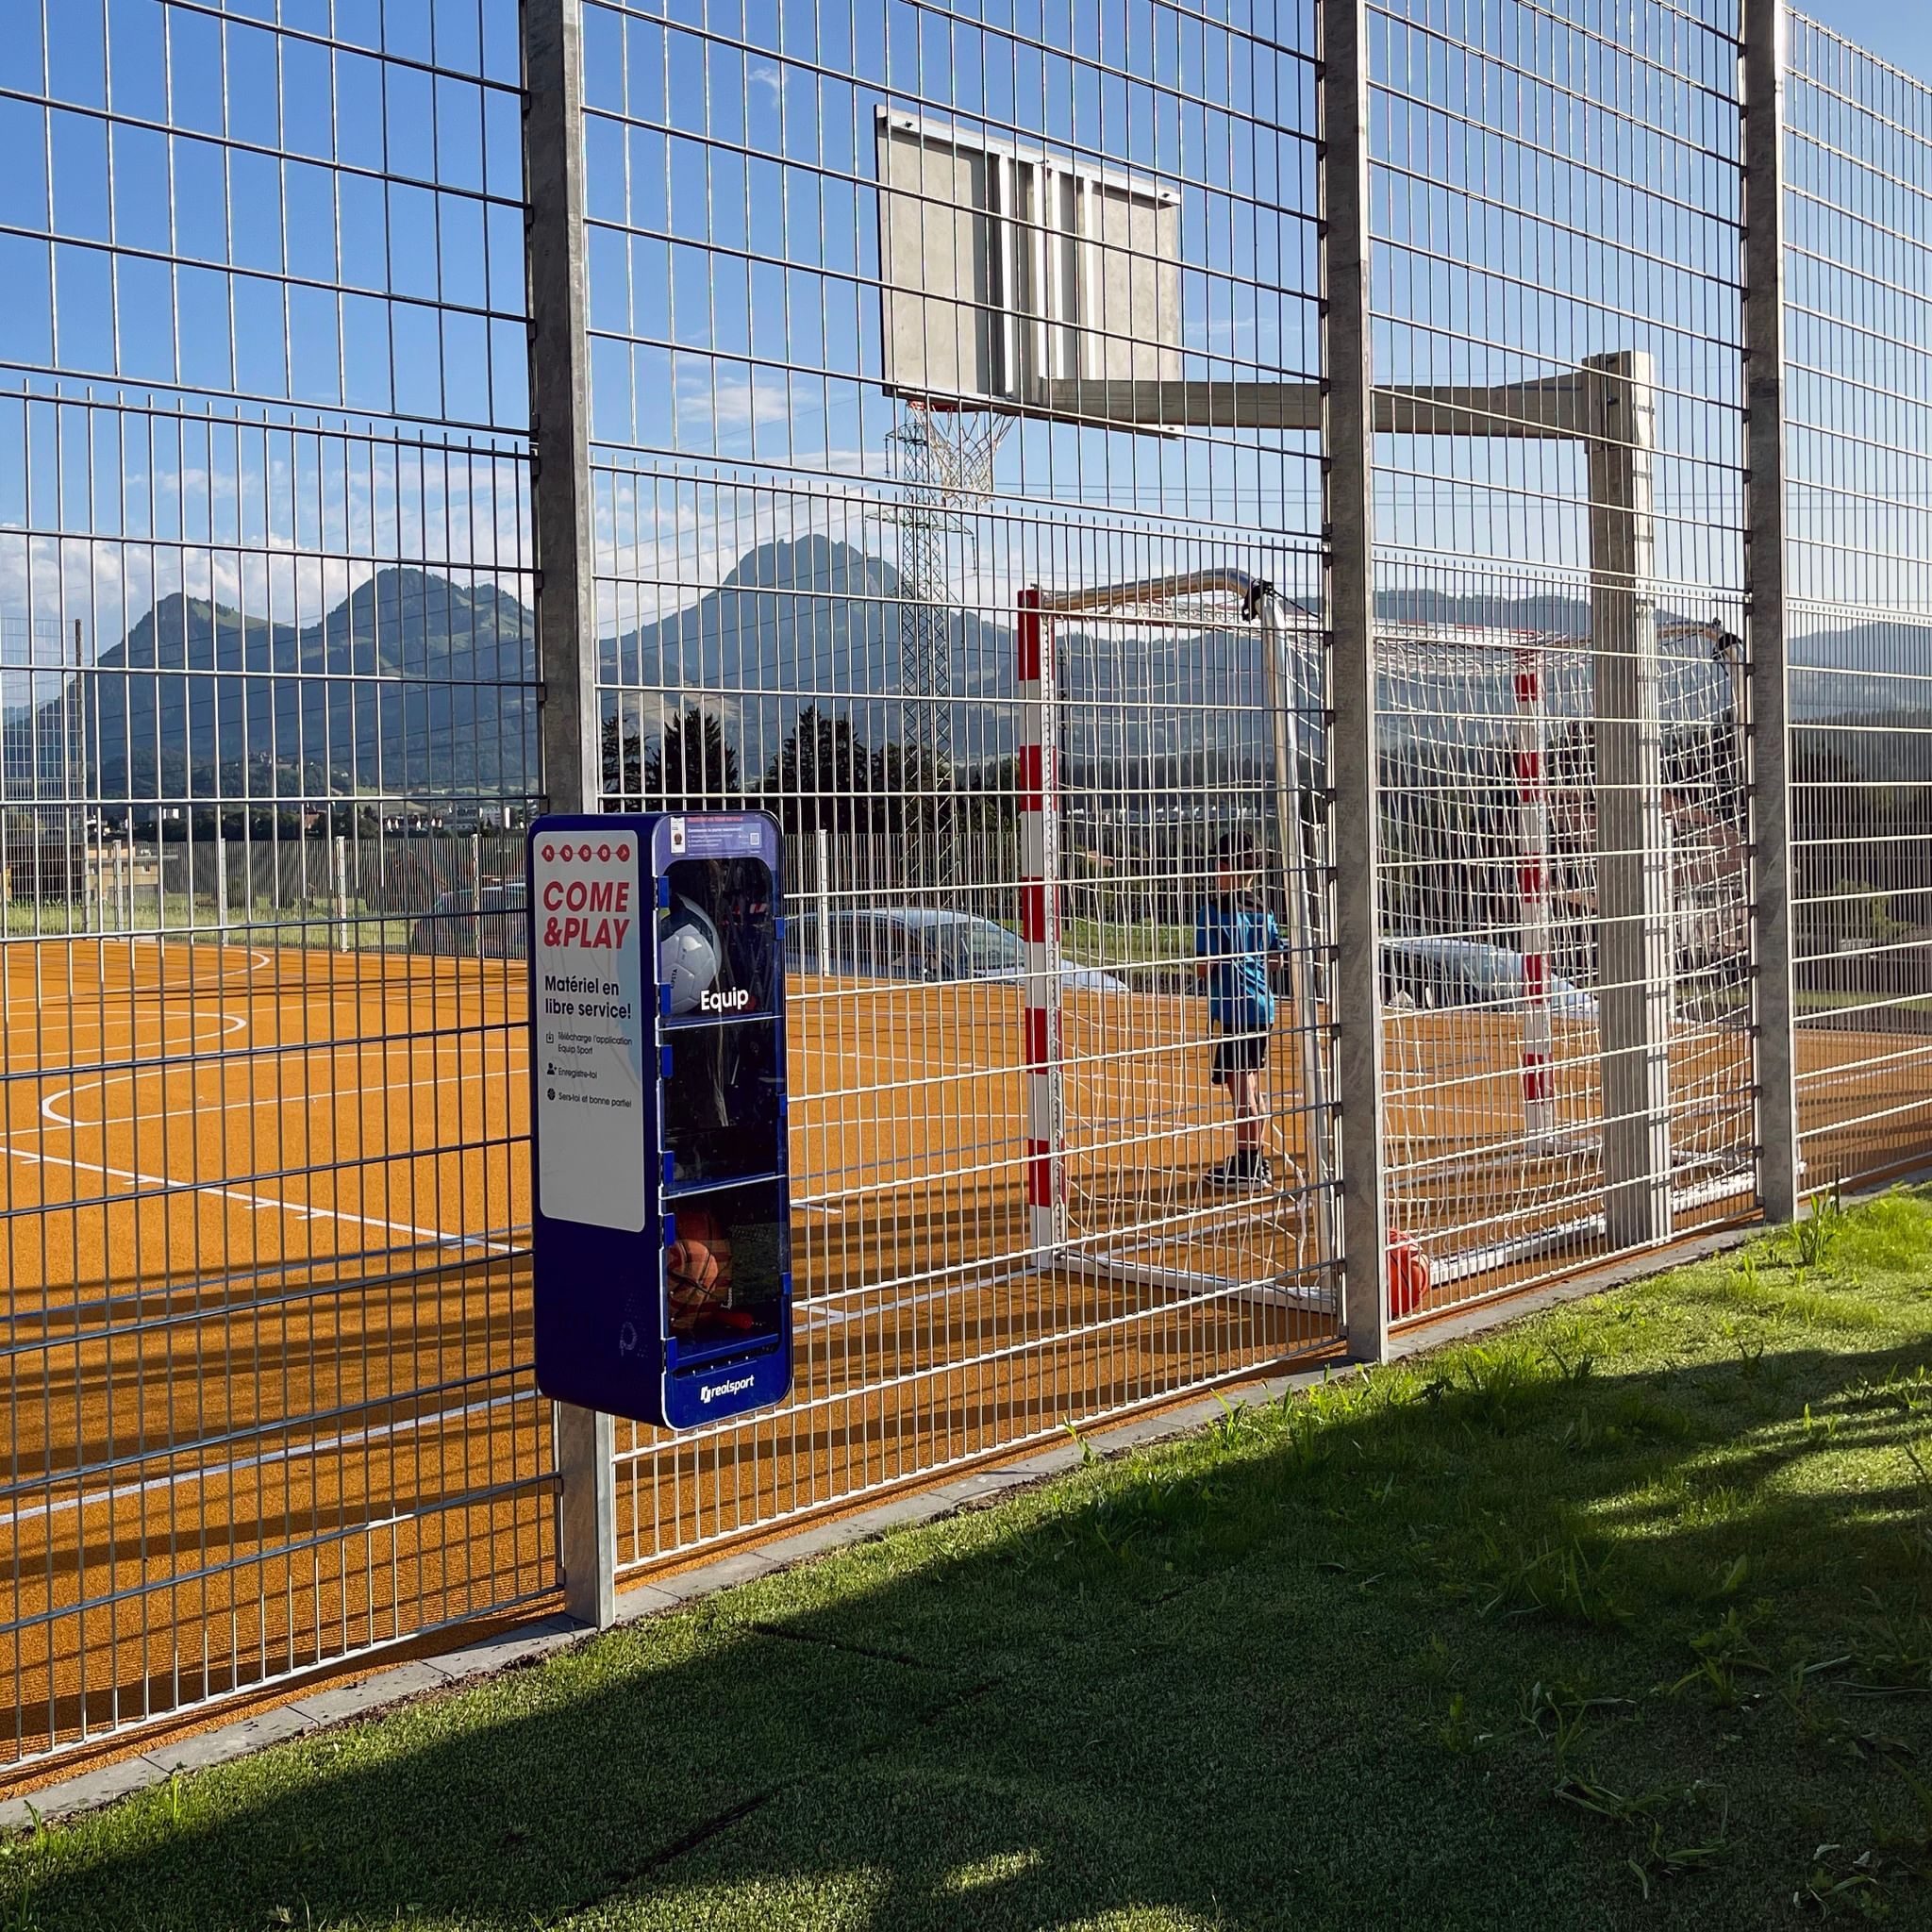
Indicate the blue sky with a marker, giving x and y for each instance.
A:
(1899, 31)
(182, 200)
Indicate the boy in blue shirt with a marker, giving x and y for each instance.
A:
(1235, 941)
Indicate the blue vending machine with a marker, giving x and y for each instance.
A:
(662, 1211)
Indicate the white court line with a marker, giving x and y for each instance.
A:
(231, 1022)
(255, 1202)
(813, 1315)
(133, 1027)
(30, 1003)
(141, 1027)
(260, 1204)
(249, 1102)
(349, 1439)
(193, 1021)
(136, 1028)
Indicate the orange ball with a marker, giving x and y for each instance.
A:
(697, 1268)
(1408, 1274)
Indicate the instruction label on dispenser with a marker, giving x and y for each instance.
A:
(590, 923)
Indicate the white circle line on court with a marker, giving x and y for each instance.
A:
(268, 1053)
(244, 1196)
(34, 1002)
(231, 1022)
(514, 1077)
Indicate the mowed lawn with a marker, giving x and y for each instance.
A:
(1621, 1617)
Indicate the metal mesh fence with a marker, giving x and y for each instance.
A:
(1859, 255)
(1558, 505)
(838, 262)
(957, 495)
(266, 733)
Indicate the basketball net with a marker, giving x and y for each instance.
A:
(944, 455)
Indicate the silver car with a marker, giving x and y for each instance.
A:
(1430, 972)
(921, 943)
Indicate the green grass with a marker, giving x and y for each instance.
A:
(1124, 943)
(312, 925)
(1619, 1617)
(1087, 941)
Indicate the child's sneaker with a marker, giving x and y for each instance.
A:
(1243, 1172)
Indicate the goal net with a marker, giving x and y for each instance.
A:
(1161, 718)
(1494, 993)
(1158, 720)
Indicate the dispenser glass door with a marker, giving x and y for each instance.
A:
(726, 1262)
(718, 938)
(722, 1116)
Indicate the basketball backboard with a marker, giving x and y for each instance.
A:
(1005, 269)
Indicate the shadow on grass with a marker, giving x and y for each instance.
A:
(1506, 1638)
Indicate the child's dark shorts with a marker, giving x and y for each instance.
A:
(1239, 1053)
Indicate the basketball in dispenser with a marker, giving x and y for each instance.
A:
(663, 1213)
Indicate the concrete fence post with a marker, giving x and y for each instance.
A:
(566, 624)
(1632, 864)
(1348, 471)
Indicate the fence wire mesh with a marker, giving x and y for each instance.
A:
(1555, 202)
(1860, 254)
(830, 475)
(266, 732)
(957, 495)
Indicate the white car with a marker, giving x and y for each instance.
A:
(921, 943)
(1430, 972)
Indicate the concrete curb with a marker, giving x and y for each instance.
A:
(381, 1688)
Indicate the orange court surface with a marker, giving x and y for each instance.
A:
(267, 1395)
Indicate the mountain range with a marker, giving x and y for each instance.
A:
(414, 684)
(411, 683)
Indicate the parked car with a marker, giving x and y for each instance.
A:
(922, 944)
(1431, 972)
(469, 926)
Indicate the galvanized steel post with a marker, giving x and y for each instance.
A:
(566, 624)
(1348, 458)
(1768, 739)
(1634, 943)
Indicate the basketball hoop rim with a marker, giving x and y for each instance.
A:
(1006, 407)
(951, 406)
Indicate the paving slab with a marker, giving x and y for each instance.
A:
(381, 1687)
(522, 1643)
(82, 1793)
(639, 1600)
(819, 1540)
(722, 1572)
(234, 1741)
